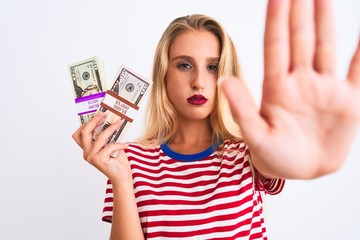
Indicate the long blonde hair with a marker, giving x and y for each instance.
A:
(162, 119)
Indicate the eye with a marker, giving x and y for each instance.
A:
(212, 68)
(184, 66)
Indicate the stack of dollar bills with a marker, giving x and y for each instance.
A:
(122, 101)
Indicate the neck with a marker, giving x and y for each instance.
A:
(191, 137)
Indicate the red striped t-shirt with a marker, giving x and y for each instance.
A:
(215, 194)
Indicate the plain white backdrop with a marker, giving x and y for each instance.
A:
(49, 192)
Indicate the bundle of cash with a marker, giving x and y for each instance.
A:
(122, 101)
(88, 80)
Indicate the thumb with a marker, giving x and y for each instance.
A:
(354, 69)
(243, 108)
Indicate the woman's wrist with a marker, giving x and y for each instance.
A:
(122, 182)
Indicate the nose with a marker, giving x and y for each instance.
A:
(198, 82)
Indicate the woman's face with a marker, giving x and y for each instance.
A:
(192, 74)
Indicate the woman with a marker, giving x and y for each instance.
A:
(191, 176)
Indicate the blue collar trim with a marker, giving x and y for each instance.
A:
(190, 157)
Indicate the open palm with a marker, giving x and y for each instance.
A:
(307, 119)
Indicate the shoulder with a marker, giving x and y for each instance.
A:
(141, 147)
(234, 145)
(233, 149)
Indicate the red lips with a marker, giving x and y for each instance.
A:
(197, 99)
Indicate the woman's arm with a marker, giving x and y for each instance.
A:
(125, 220)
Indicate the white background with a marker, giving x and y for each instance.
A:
(49, 192)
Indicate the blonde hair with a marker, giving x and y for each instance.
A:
(162, 119)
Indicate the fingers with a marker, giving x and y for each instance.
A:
(325, 54)
(76, 135)
(103, 137)
(83, 136)
(84, 132)
(243, 108)
(299, 34)
(354, 69)
(302, 33)
(105, 155)
(276, 39)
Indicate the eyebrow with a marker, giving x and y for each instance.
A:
(189, 58)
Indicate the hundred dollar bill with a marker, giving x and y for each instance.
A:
(88, 80)
(122, 101)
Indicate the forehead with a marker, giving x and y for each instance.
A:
(195, 43)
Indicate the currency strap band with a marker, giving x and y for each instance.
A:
(89, 104)
(119, 106)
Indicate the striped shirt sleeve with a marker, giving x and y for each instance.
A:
(108, 203)
(274, 186)
(270, 186)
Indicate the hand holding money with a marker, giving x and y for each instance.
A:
(122, 101)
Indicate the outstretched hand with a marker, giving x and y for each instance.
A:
(308, 119)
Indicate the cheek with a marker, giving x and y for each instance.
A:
(213, 95)
(213, 89)
(175, 88)
(171, 92)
